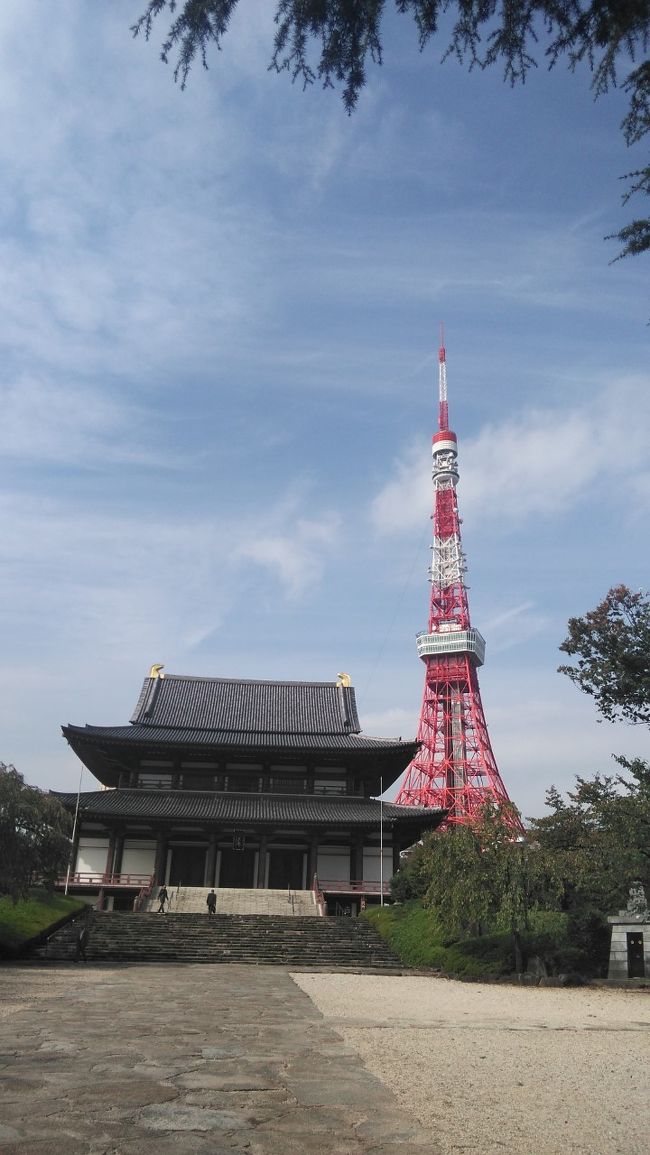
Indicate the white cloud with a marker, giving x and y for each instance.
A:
(405, 500)
(536, 463)
(514, 626)
(548, 733)
(45, 423)
(294, 559)
(394, 722)
(543, 733)
(114, 583)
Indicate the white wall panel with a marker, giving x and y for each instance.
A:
(138, 857)
(371, 872)
(92, 855)
(334, 865)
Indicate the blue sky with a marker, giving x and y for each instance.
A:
(219, 315)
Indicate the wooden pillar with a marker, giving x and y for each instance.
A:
(118, 852)
(110, 857)
(261, 862)
(396, 850)
(356, 858)
(160, 866)
(211, 861)
(312, 861)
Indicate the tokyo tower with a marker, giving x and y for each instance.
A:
(455, 769)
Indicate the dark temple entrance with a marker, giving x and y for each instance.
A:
(237, 868)
(187, 866)
(286, 869)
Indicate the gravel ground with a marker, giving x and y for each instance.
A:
(502, 1069)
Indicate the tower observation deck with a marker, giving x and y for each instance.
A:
(455, 768)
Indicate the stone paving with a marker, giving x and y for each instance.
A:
(202, 1059)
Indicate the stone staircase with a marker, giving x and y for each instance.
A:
(325, 943)
(281, 903)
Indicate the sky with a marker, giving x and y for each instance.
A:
(219, 313)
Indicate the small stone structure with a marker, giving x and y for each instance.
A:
(629, 955)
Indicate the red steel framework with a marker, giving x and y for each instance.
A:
(455, 769)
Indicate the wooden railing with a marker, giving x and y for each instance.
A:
(143, 894)
(87, 878)
(357, 886)
(319, 897)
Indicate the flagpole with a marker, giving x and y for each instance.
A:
(381, 842)
(74, 831)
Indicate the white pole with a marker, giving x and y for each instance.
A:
(74, 831)
(381, 842)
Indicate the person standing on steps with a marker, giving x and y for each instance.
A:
(162, 898)
(212, 902)
(83, 938)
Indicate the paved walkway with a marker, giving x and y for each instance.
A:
(184, 1059)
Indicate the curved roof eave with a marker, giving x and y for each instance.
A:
(264, 809)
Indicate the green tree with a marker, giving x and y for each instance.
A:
(600, 837)
(612, 647)
(334, 40)
(599, 841)
(34, 829)
(480, 879)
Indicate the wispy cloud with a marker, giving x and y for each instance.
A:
(514, 626)
(83, 579)
(45, 423)
(537, 463)
(294, 559)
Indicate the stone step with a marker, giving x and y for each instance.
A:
(232, 900)
(259, 939)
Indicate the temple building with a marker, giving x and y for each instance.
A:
(241, 783)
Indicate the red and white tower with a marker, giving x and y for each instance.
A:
(455, 769)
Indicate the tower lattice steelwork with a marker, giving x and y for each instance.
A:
(455, 768)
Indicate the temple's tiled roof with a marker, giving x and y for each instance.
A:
(246, 706)
(182, 805)
(179, 736)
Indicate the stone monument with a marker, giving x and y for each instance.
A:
(629, 955)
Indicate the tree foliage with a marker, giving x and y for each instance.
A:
(479, 878)
(612, 647)
(599, 838)
(34, 828)
(551, 891)
(334, 40)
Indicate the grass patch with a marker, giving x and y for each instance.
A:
(30, 917)
(565, 944)
(413, 934)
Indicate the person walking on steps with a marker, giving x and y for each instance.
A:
(83, 938)
(212, 902)
(163, 897)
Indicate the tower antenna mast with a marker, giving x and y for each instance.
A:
(455, 769)
(443, 408)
